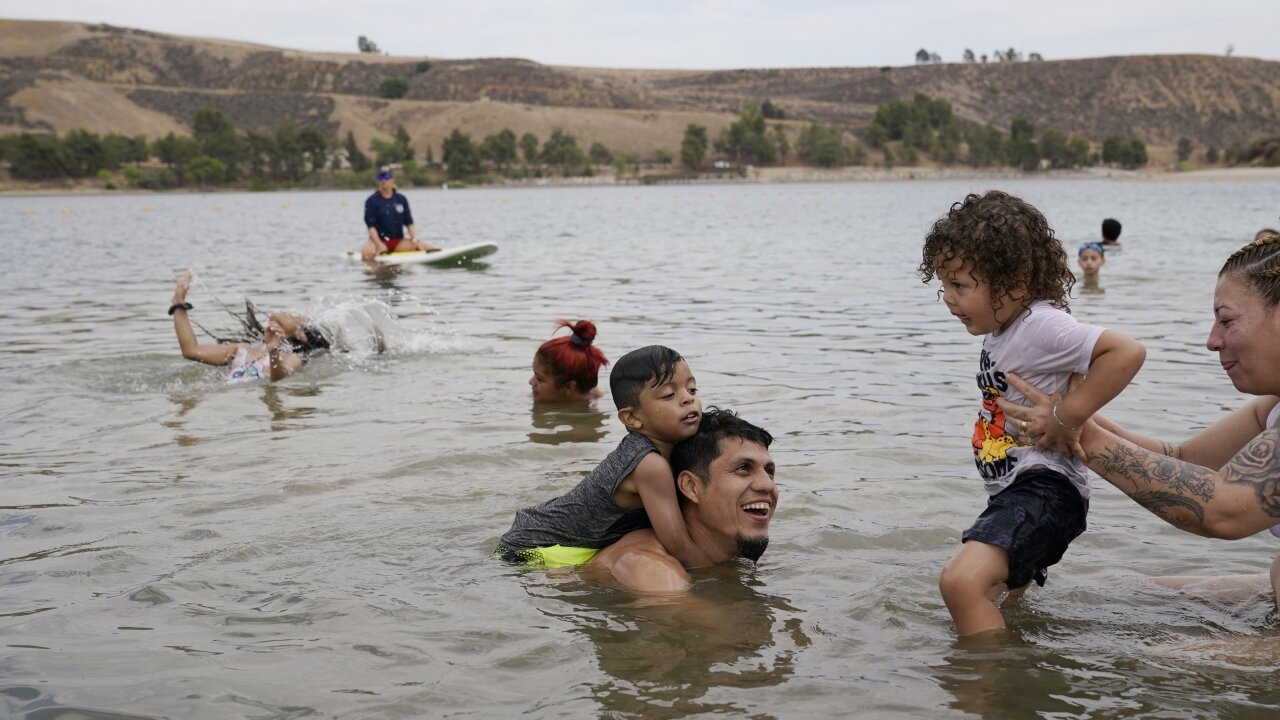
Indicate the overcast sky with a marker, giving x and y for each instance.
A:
(703, 33)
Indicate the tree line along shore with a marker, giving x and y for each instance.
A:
(920, 131)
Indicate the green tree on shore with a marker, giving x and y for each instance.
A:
(1023, 152)
(207, 170)
(358, 161)
(561, 150)
(1126, 151)
(1184, 149)
(500, 148)
(746, 139)
(393, 87)
(215, 136)
(599, 154)
(823, 146)
(693, 148)
(461, 156)
(396, 152)
(529, 147)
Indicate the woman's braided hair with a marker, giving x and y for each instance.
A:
(1259, 264)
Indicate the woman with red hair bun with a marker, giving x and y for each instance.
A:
(567, 367)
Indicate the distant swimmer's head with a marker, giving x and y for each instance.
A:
(568, 367)
(725, 472)
(1110, 230)
(656, 394)
(1003, 243)
(1091, 257)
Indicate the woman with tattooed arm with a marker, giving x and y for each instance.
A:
(1225, 481)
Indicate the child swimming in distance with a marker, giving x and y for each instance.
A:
(1005, 276)
(1091, 257)
(633, 488)
(567, 368)
(1111, 233)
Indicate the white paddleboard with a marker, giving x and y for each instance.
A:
(447, 256)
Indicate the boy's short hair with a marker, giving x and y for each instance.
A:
(1008, 243)
(698, 452)
(652, 365)
(1111, 229)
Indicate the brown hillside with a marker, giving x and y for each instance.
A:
(60, 76)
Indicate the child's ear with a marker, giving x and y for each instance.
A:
(630, 419)
(689, 485)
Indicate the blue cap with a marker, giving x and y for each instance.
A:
(1091, 246)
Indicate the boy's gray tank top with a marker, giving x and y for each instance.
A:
(586, 516)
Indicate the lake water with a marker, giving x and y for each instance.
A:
(174, 547)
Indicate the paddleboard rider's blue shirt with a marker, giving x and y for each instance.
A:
(388, 215)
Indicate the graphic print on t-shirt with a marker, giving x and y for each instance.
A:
(991, 444)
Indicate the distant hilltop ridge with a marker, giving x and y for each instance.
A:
(60, 76)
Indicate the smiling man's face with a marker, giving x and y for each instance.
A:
(737, 501)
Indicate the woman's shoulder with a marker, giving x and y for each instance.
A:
(1267, 408)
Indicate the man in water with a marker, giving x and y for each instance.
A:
(387, 216)
(724, 478)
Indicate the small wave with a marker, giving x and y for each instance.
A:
(363, 328)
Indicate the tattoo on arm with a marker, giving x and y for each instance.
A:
(1165, 506)
(1169, 488)
(1258, 464)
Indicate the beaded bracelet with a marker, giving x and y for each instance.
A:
(179, 306)
(1062, 424)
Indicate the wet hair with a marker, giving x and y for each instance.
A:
(1096, 247)
(698, 452)
(1111, 229)
(652, 365)
(1265, 232)
(1258, 263)
(574, 357)
(314, 339)
(1007, 242)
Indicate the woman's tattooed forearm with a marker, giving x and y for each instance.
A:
(1151, 472)
(1165, 504)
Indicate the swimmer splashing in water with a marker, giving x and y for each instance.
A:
(273, 352)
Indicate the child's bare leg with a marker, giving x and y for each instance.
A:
(1014, 596)
(967, 583)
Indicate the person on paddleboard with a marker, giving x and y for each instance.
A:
(387, 216)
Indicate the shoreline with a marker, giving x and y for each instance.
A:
(755, 176)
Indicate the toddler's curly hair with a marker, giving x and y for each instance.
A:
(1008, 243)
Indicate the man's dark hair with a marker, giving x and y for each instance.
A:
(1111, 229)
(651, 365)
(698, 452)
